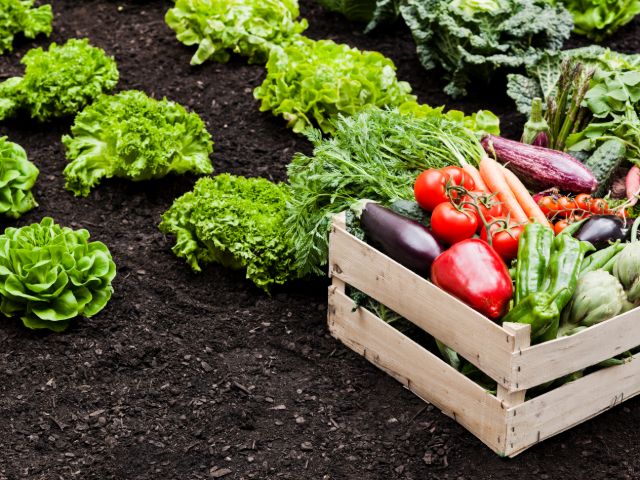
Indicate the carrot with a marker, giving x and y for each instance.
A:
(525, 200)
(475, 175)
(492, 175)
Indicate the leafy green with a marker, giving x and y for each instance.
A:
(20, 16)
(373, 12)
(247, 27)
(312, 81)
(375, 154)
(132, 136)
(598, 19)
(237, 222)
(58, 82)
(471, 39)
(481, 121)
(17, 177)
(51, 274)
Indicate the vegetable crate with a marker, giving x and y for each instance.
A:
(505, 422)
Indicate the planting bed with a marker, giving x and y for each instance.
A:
(200, 376)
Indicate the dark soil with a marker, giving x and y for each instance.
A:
(187, 376)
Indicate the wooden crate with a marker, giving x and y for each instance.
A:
(505, 422)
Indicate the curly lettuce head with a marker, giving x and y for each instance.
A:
(133, 136)
(471, 39)
(59, 81)
(246, 27)
(20, 16)
(237, 222)
(312, 82)
(51, 274)
(17, 177)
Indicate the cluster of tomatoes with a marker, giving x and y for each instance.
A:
(565, 210)
(459, 211)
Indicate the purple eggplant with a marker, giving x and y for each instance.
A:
(406, 241)
(540, 168)
(601, 230)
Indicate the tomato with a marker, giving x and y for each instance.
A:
(504, 241)
(453, 224)
(559, 226)
(566, 206)
(430, 188)
(548, 205)
(583, 202)
(489, 206)
(622, 213)
(599, 206)
(459, 177)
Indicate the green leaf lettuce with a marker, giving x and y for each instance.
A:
(17, 177)
(20, 16)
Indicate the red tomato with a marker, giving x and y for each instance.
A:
(459, 177)
(566, 206)
(452, 224)
(548, 205)
(430, 188)
(559, 226)
(583, 202)
(490, 207)
(504, 241)
(599, 206)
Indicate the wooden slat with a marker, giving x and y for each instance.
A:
(419, 370)
(550, 360)
(522, 332)
(482, 342)
(570, 405)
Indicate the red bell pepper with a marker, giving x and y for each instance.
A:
(472, 271)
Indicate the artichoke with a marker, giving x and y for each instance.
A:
(51, 274)
(599, 296)
(627, 269)
(17, 177)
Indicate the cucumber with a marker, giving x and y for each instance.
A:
(604, 162)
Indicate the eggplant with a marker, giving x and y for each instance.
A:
(408, 242)
(601, 230)
(540, 168)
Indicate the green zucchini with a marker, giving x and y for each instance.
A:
(604, 162)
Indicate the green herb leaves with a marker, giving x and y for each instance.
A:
(311, 82)
(51, 274)
(20, 16)
(471, 39)
(133, 136)
(17, 177)
(237, 222)
(247, 27)
(59, 81)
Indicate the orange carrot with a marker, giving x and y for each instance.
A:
(492, 175)
(525, 200)
(475, 175)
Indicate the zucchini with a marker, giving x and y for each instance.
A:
(604, 162)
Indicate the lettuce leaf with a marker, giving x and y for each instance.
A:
(132, 136)
(17, 177)
(237, 222)
(20, 16)
(58, 82)
(312, 82)
(598, 19)
(472, 39)
(246, 27)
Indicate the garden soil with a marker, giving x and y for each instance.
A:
(196, 376)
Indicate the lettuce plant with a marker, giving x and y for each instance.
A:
(312, 82)
(133, 136)
(471, 39)
(51, 274)
(20, 16)
(237, 222)
(598, 19)
(17, 177)
(59, 81)
(247, 27)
